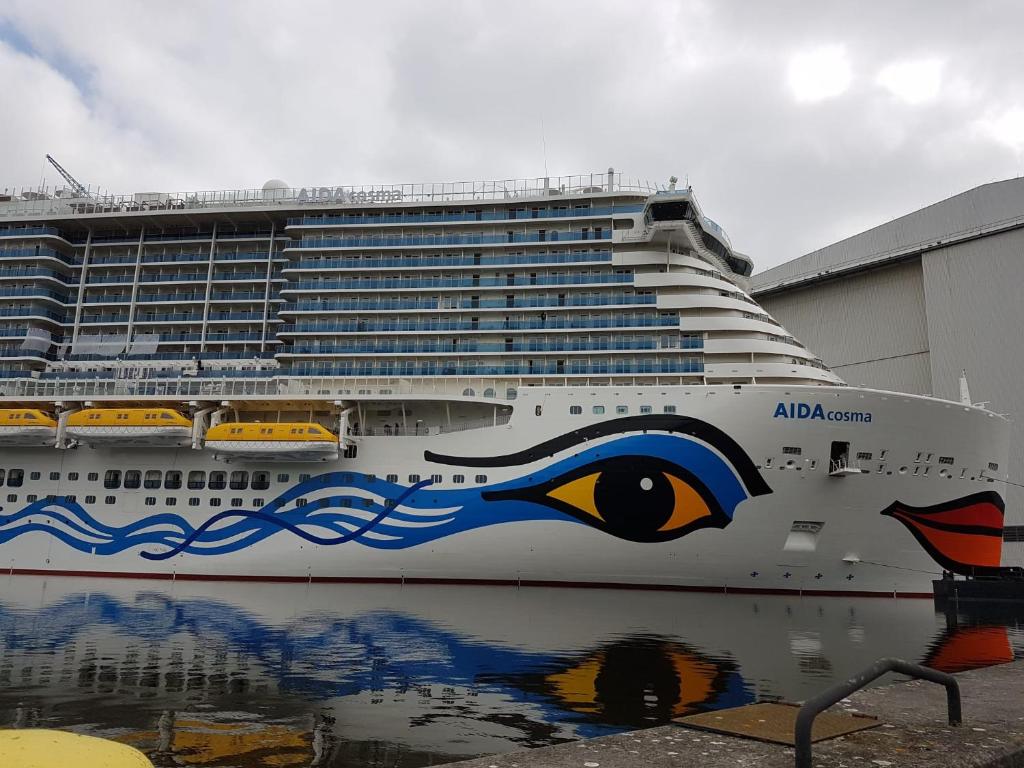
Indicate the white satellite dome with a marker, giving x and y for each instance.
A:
(275, 189)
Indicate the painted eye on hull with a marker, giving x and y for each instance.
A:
(638, 498)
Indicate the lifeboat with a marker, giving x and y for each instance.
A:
(139, 427)
(27, 426)
(290, 441)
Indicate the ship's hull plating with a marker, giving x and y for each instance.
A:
(713, 496)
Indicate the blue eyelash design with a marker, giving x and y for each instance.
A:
(340, 513)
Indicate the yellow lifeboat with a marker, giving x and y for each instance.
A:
(26, 426)
(289, 441)
(139, 427)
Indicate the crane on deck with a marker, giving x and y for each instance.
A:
(76, 186)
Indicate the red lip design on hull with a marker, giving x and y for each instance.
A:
(964, 535)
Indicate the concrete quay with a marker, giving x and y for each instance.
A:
(914, 733)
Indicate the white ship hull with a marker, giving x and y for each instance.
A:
(523, 515)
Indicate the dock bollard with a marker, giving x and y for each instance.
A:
(44, 748)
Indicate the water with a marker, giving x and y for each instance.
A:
(254, 675)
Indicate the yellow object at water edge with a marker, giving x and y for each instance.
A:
(41, 748)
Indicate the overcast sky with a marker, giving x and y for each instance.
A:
(797, 123)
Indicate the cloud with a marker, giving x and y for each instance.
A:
(781, 118)
(821, 73)
(914, 82)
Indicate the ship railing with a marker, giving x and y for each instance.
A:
(45, 201)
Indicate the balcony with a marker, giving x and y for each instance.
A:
(405, 241)
(533, 324)
(485, 260)
(463, 303)
(395, 284)
(532, 213)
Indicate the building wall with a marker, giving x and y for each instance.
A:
(975, 322)
(870, 328)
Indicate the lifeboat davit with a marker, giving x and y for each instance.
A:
(139, 427)
(27, 426)
(289, 441)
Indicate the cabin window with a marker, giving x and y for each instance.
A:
(260, 481)
(597, 409)
(93, 477)
(350, 451)
(621, 409)
(196, 480)
(72, 476)
(236, 502)
(31, 497)
(35, 476)
(171, 501)
(111, 480)
(945, 459)
(864, 455)
(132, 478)
(792, 450)
(215, 502)
(12, 497)
(303, 478)
(2, 476)
(218, 481)
(153, 477)
(55, 475)
(299, 503)
(166, 416)
(239, 480)
(150, 501)
(481, 478)
(110, 500)
(90, 499)
(414, 478)
(392, 478)
(435, 478)
(458, 479)
(282, 478)
(575, 410)
(172, 480)
(257, 502)
(646, 409)
(367, 503)
(194, 501)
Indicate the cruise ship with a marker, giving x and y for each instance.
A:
(541, 381)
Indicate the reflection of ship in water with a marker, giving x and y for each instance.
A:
(977, 635)
(639, 681)
(340, 675)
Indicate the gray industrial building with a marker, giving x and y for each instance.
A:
(909, 304)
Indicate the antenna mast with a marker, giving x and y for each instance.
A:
(74, 183)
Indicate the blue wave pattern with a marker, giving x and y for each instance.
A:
(353, 507)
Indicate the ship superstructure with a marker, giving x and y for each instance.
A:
(428, 340)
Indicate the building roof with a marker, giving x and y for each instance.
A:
(978, 212)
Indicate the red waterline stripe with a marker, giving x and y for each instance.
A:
(467, 582)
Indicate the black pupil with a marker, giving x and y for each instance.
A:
(633, 499)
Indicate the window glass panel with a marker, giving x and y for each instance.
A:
(196, 480)
(260, 481)
(132, 478)
(239, 480)
(15, 478)
(153, 477)
(218, 481)
(111, 480)
(172, 480)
